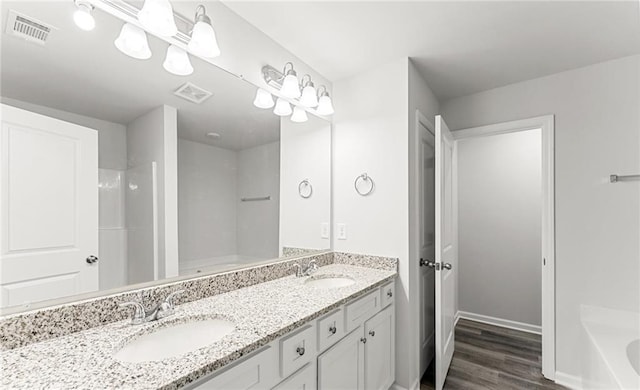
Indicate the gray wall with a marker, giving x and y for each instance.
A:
(499, 226)
(597, 124)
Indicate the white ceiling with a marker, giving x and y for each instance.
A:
(82, 72)
(459, 47)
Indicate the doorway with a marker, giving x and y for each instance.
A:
(543, 128)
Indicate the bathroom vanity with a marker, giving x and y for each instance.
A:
(332, 329)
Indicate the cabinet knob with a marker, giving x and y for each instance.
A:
(333, 329)
(372, 333)
(92, 259)
(300, 351)
(363, 339)
(389, 293)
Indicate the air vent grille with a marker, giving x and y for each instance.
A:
(27, 28)
(193, 93)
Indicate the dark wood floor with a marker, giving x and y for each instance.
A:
(493, 358)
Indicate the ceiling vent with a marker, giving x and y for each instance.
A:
(27, 28)
(193, 93)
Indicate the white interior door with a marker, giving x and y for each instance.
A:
(427, 228)
(49, 206)
(445, 249)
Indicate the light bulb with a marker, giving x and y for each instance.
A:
(290, 87)
(177, 62)
(325, 107)
(263, 99)
(203, 38)
(309, 97)
(157, 17)
(83, 18)
(299, 115)
(283, 108)
(132, 41)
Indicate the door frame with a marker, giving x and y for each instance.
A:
(546, 124)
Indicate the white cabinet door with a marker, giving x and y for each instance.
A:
(379, 367)
(49, 208)
(341, 367)
(304, 379)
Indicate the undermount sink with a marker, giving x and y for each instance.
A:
(329, 281)
(174, 340)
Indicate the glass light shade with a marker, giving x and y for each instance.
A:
(83, 18)
(132, 41)
(290, 87)
(263, 99)
(203, 41)
(177, 62)
(283, 108)
(325, 107)
(299, 115)
(309, 97)
(157, 17)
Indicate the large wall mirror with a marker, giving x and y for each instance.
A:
(116, 172)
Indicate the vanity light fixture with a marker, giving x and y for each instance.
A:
(177, 61)
(203, 38)
(156, 16)
(290, 87)
(299, 115)
(325, 106)
(263, 99)
(82, 16)
(132, 41)
(283, 108)
(309, 96)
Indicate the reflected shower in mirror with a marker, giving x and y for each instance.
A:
(117, 172)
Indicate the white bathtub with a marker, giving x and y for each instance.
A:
(217, 264)
(611, 356)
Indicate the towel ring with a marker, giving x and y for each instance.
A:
(366, 178)
(305, 189)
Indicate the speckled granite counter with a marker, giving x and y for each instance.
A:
(261, 313)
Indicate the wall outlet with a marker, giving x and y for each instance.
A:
(342, 231)
(324, 230)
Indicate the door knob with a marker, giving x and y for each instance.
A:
(446, 266)
(92, 259)
(427, 263)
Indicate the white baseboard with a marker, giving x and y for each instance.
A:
(571, 381)
(521, 326)
(415, 386)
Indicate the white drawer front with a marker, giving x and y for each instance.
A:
(297, 349)
(362, 309)
(257, 372)
(330, 329)
(387, 294)
(304, 379)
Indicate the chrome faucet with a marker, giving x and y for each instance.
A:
(306, 270)
(162, 310)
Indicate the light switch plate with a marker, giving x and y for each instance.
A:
(324, 230)
(342, 231)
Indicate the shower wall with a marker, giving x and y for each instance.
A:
(215, 226)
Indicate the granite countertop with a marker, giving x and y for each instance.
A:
(261, 313)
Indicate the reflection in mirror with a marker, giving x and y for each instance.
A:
(116, 172)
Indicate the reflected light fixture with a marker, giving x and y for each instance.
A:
(132, 41)
(82, 16)
(177, 61)
(325, 106)
(299, 115)
(283, 108)
(290, 87)
(156, 16)
(309, 96)
(263, 99)
(203, 38)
